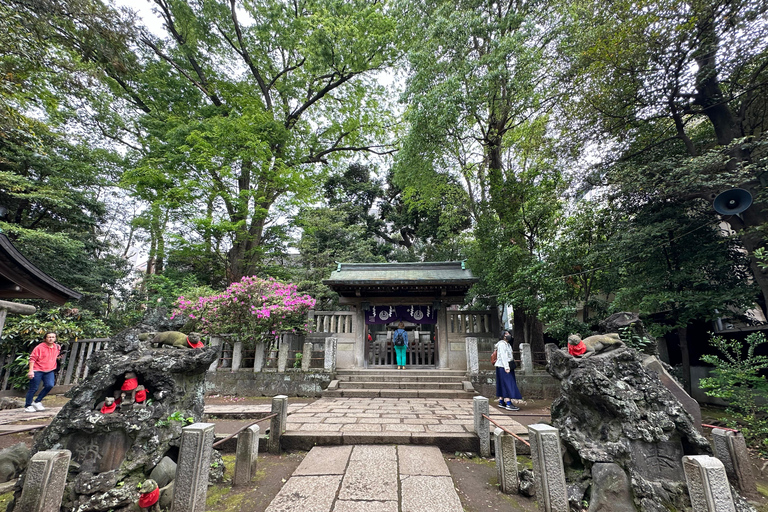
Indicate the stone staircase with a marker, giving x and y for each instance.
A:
(393, 383)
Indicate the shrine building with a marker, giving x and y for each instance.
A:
(425, 297)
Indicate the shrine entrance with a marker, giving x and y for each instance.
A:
(420, 353)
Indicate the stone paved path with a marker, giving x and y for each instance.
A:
(368, 478)
(392, 415)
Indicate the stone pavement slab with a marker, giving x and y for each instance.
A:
(365, 506)
(306, 494)
(370, 479)
(324, 460)
(377, 478)
(421, 460)
(429, 494)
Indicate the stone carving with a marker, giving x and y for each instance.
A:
(13, 460)
(107, 406)
(44, 482)
(613, 409)
(164, 472)
(113, 453)
(174, 339)
(610, 489)
(593, 344)
(149, 496)
(618, 321)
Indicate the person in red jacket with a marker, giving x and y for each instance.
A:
(42, 364)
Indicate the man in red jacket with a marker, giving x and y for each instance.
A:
(42, 363)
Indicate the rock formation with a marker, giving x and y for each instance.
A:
(615, 416)
(113, 453)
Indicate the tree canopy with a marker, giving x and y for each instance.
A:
(570, 152)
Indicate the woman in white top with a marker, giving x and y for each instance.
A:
(506, 384)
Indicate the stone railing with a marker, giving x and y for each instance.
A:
(479, 352)
(291, 351)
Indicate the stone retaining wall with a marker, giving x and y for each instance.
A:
(267, 383)
(538, 386)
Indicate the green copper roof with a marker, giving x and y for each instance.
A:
(373, 274)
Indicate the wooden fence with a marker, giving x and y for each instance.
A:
(73, 367)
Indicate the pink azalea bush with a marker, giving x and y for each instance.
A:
(252, 309)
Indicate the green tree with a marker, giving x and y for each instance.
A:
(738, 378)
(478, 93)
(676, 265)
(242, 145)
(676, 89)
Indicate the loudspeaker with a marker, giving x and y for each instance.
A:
(732, 202)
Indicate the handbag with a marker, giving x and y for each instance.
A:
(494, 356)
(512, 365)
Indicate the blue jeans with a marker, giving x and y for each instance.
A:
(48, 378)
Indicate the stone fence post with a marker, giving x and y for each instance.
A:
(258, 356)
(329, 364)
(707, 484)
(246, 455)
(190, 486)
(473, 364)
(44, 482)
(237, 355)
(215, 342)
(506, 461)
(548, 472)
(277, 424)
(306, 356)
(282, 353)
(731, 449)
(526, 358)
(482, 425)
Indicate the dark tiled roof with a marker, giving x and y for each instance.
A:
(377, 274)
(20, 279)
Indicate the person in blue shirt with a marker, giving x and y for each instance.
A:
(400, 342)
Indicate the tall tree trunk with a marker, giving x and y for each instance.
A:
(529, 329)
(709, 94)
(682, 336)
(244, 258)
(745, 225)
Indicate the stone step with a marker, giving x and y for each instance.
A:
(447, 442)
(437, 394)
(399, 385)
(389, 377)
(409, 371)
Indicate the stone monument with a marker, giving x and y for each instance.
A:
(112, 454)
(616, 417)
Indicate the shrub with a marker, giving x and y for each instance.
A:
(737, 379)
(253, 309)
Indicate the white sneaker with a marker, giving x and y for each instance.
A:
(38, 406)
(30, 408)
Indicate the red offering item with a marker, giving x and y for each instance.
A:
(130, 384)
(199, 344)
(148, 499)
(106, 409)
(577, 350)
(141, 395)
